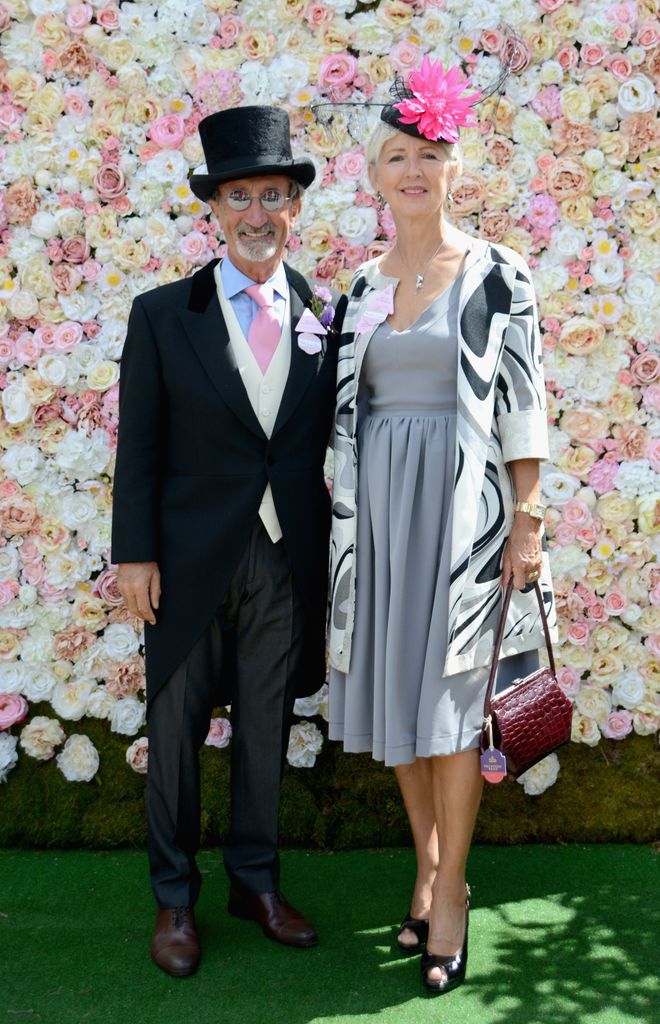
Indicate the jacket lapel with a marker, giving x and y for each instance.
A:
(207, 332)
(303, 367)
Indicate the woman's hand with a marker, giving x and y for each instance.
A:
(522, 554)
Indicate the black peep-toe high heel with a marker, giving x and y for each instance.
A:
(420, 927)
(453, 966)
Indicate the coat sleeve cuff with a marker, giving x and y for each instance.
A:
(524, 435)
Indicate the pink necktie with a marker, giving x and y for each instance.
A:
(265, 330)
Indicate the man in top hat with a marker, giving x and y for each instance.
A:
(221, 523)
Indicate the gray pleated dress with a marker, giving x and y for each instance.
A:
(395, 701)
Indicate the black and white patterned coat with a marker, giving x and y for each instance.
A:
(501, 416)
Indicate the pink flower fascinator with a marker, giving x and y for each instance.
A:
(433, 102)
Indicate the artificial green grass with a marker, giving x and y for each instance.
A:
(558, 935)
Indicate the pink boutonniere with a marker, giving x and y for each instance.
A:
(315, 321)
(379, 306)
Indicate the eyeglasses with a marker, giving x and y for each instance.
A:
(271, 200)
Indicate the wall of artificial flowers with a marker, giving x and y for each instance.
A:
(99, 106)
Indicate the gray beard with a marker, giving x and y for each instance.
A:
(256, 250)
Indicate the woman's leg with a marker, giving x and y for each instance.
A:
(416, 785)
(457, 786)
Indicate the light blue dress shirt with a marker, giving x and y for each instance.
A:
(234, 282)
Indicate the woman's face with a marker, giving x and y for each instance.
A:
(414, 176)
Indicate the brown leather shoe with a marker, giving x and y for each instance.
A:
(278, 919)
(174, 944)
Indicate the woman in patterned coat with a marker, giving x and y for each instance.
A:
(441, 426)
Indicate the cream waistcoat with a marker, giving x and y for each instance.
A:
(264, 390)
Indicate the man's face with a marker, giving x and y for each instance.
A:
(256, 235)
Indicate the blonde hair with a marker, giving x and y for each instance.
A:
(383, 131)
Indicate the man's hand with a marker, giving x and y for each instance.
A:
(139, 585)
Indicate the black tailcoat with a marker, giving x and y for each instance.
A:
(193, 463)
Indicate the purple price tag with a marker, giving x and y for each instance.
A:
(493, 765)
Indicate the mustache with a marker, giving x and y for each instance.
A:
(266, 232)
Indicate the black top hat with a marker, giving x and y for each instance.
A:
(246, 141)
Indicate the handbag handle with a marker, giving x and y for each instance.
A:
(500, 635)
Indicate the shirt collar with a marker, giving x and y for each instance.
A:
(235, 281)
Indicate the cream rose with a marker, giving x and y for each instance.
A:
(79, 761)
(137, 755)
(40, 737)
(305, 742)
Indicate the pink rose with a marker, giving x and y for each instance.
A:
(578, 633)
(647, 34)
(108, 18)
(491, 40)
(623, 14)
(517, 51)
(564, 534)
(76, 103)
(550, 5)
(168, 131)
(219, 733)
(568, 680)
(567, 56)
(137, 755)
(615, 601)
(547, 103)
(651, 396)
(337, 70)
(317, 14)
(106, 587)
(587, 536)
(66, 277)
(542, 212)
(109, 183)
(13, 709)
(592, 54)
(576, 512)
(230, 30)
(652, 453)
(653, 644)
(8, 591)
(350, 166)
(645, 367)
(404, 56)
(5, 18)
(602, 475)
(194, 247)
(617, 725)
(10, 116)
(620, 66)
(75, 250)
(78, 17)
(67, 336)
(28, 349)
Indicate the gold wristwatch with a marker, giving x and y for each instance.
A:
(532, 508)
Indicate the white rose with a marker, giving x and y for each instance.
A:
(593, 159)
(567, 241)
(558, 487)
(522, 167)
(640, 290)
(40, 737)
(8, 755)
(69, 221)
(100, 703)
(120, 641)
(569, 561)
(549, 280)
(636, 96)
(23, 305)
(103, 375)
(82, 305)
(636, 478)
(607, 181)
(12, 676)
(37, 646)
(314, 705)
(608, 273)
(629, 689)
(369, 35)
(69, 700)
(358, 225)
(39, 7)
(522, 88)
(79, 761)
(8, 565)
(595, 384)
(585, 730)
(305, 742)
(82, 456)
(552, 73)
(287, 74)
(43, 225)
(167, 167)
(52, 369)
(39, 684)
(127, 716)
(16, 405)
(77, 508)
(593, 703)
(23, 463)
(255, 82)
(540, 776)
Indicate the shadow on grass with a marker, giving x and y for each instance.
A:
(557, 936)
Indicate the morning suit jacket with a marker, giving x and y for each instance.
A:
(193, 463)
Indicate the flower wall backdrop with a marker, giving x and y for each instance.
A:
(99, 108)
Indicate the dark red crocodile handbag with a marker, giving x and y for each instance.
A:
(527, 721)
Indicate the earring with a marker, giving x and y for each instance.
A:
(450, 196)
(379, 197)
